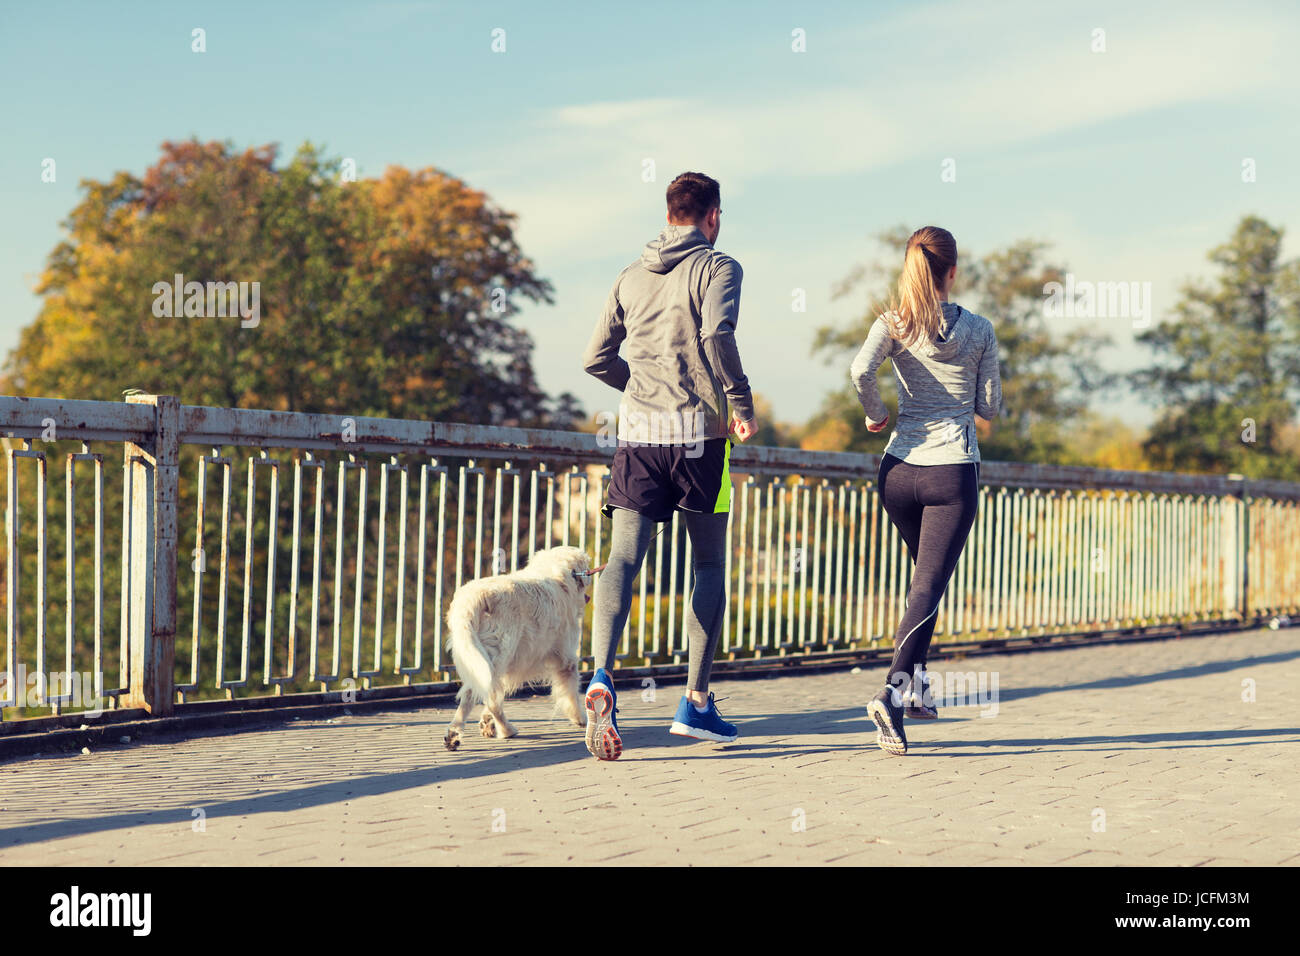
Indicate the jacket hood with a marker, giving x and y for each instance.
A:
(662, 254)
(955, 329)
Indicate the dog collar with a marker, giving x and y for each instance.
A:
(579, 575)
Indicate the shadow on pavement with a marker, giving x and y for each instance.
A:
(549, 749)
(1179, 740)
(1133, 680)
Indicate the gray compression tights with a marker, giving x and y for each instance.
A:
(629, 541)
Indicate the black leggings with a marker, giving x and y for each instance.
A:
(933, 508)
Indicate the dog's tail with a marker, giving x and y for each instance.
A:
(472, 665)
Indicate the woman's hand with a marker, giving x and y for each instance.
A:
(878, 428)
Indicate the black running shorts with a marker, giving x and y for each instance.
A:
(656, 480)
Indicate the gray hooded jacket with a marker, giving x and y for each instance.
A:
(942, 386)
(674, 311)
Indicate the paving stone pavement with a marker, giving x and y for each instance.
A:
(1115, 754)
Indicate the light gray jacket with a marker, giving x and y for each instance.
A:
(674, 313)
(942, 386)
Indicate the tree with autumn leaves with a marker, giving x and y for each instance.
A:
(391, 296)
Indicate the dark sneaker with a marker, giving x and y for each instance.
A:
(888, 717)
(920, 711)
(917, 708)
(602, 722)
(689, 722)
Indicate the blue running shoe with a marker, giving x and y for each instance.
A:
(709, 725)
(602, 722)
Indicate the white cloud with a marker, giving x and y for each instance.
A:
(898, 91)
(589, 156)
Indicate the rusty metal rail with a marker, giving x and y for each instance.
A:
(310, 580)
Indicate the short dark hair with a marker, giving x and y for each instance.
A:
(691, 196)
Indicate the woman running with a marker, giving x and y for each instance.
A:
(946, 366)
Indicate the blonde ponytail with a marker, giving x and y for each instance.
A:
(916, 308)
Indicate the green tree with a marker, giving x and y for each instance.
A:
(1226, 369)
(1047, 375)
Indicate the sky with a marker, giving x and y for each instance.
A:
(1115, 132)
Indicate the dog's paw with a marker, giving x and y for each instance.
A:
(487, 726)
(452, 740)
(508, 730)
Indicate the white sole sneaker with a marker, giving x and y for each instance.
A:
(889, 738)
(685, 730)
(603, 741)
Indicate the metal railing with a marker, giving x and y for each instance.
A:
(306, 582)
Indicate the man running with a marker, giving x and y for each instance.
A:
(675, 309)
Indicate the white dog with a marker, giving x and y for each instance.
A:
(513, 629)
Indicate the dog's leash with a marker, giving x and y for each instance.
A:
(579, 575)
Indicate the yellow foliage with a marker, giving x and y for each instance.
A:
(830, 435)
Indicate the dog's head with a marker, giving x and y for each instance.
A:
(572, 566)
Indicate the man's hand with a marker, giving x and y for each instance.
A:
(744, 430)
(878, 428)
